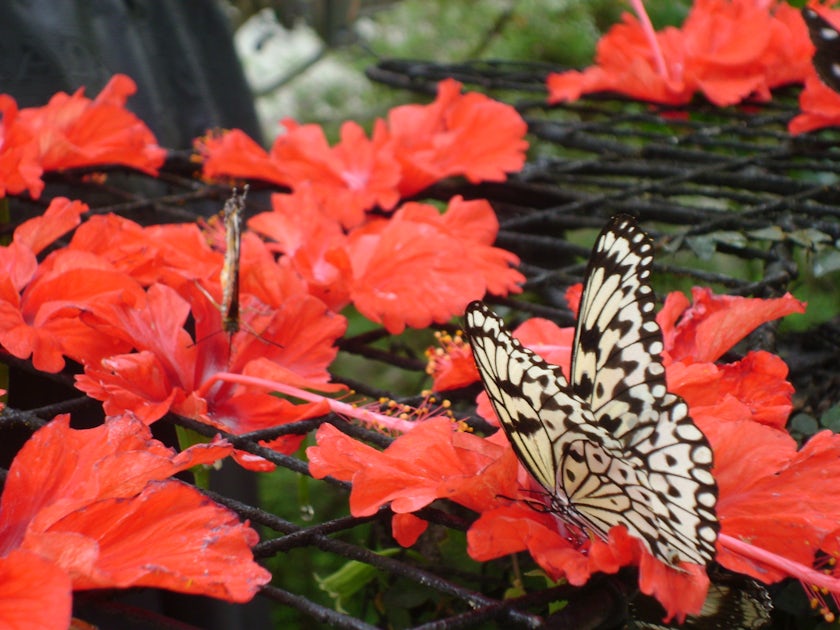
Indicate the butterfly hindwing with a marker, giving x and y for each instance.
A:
(826, 40)
(733, 601)
(612, 446)
(599, 484)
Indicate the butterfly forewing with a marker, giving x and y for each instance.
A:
(617, 369)
(525, 392)
(613, 445)
(615, 365)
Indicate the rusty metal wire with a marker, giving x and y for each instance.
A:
(705, 182)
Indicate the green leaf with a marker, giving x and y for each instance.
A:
(830, 418)
(770, 233)
(350, 578)
(826, 261)
(187, 438)
(809, 237)
(514, 591)
(704, 246)
(730, 238)
(804, 424)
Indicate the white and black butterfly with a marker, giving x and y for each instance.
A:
(826, 40)
(612, 446)
(732, 603)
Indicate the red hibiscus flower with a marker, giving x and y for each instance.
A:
(469, 135)
(356, 175)
(312, 242)
(625, 63)
(234, 154)
(346, 180)
(451, 365)
(741, 48)
(157, 253)
(430, 462)
(35, 593)
(457, 134)
(96, 509)
(820, 104)
(506, 528)
(416, 268)
(73, 131)
(727, 49)
(715, 323)
(172, 373)
(820, 107)
(754, 388)
(762, 501)
(20, 168)
(40, 306)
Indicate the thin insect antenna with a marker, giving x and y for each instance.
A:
(205, 338)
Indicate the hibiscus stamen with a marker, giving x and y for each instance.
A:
(807, 575)
(440, 358)
(375, 419)
(650, 35)
(428, 408)
(819, 603)
(817, 595)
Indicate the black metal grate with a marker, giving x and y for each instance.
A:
(703, 181)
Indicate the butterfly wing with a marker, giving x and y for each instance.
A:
(613, 447)
(605, 489)
(615, 365)
(826, 40)
(584, 469)
(531, 397)
(732, 601)
(617, 369)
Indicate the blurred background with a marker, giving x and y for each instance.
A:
(307, 59)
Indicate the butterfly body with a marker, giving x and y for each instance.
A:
(229, 277)
(611, 446)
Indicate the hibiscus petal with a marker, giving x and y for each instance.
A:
(169, 536)
(75, 131)
(234, 154)
(715, 323)
(407, 528)
(34, 593)
(779, 499)
(61, 216)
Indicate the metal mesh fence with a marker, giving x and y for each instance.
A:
(732, 201)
